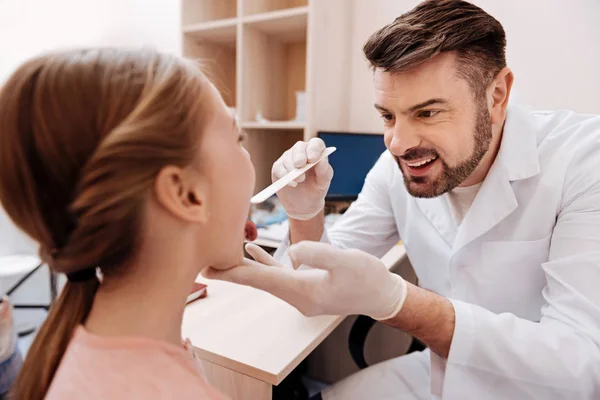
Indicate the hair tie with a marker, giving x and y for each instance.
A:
(82, 276)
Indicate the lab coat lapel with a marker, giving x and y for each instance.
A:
(517, 159)
(494, 202)
(439, 214)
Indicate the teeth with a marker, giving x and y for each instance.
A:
(420, 163)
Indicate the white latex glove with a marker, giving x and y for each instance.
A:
(340, 282)
(304, 198)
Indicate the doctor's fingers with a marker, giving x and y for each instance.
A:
(317, 255)
(323, 172)
(261, 256)
(283, 166)
(279, 169)
(300, 155)
(299, 158)
(314, 149)
(280, 282)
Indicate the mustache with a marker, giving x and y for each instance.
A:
(417, 153)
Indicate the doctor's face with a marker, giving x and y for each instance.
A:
(435, 126)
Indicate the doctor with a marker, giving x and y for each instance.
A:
(499, 210)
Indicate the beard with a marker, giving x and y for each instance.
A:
(450, 177)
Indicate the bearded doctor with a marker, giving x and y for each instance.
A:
(499, 210)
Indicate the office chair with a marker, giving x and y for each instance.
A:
(356, 343)
(358, 337)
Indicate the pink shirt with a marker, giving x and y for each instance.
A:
(96, 367)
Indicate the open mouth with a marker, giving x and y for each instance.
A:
(250, 231)
(420, 167)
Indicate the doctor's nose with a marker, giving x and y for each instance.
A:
(402, 139)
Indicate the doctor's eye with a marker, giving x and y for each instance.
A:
(387, 118)
(427, 113)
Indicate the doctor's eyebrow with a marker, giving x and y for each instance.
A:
(382, 109)
(416, 107)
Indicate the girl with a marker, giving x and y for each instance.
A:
(127, 168)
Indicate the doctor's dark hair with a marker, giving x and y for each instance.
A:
(438, 26)
(83, 134)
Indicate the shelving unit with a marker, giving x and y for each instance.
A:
(222, 31)
(274, 67)
(252, 7)
(256, 53)
(260, 53)
(197, 11)
(274, 125)
(283, 22)
(215, 44)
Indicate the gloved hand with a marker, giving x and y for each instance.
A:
(304, 198)
(340, 282)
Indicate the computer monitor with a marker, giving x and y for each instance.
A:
(355, 156)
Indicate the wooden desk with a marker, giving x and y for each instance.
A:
(250, 340)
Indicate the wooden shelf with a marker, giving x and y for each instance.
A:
(274, 125)
(286, 25)
(265, 147)
(218, 59)
(221, 32)
(273, 66)
(253, 7)
(197, 11)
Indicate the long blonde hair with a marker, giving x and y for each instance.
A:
(82, 136)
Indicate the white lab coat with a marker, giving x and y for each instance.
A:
(522, 270)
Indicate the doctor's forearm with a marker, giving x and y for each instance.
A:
(311, 230)
(428, 317)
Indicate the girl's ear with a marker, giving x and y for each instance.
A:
(183, 193)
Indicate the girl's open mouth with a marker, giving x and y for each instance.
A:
(251, 233)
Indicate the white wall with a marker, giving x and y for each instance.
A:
(369, 16)
(553, 49)
(28, 27)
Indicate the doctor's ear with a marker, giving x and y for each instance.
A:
(498, 95)
(183, 193)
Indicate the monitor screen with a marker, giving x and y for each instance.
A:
(355, 156)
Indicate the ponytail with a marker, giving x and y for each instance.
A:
(70, 310)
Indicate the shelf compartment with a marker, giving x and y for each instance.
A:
(273, 70)
(253, 7)
(218, 59)
(288, 26)
(221, 32)
(265, 147)
(197, 11)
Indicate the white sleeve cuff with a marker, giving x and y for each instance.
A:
(463, 337)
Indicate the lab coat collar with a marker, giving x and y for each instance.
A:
(517, 159)
(518, 150)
